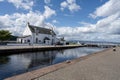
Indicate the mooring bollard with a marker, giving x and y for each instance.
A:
(68, 61)
(114, 49)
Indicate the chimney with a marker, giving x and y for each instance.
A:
(28, 23)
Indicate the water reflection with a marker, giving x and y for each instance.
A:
(4, 60)
(19, 63)
(42, 59)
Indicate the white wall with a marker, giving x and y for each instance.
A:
(19, 40)
(40, 39)
(25, 39)
(27, 31)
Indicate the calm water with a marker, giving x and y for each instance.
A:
(23, 62)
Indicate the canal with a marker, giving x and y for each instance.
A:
(23, 62)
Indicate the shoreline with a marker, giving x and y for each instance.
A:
(43, 71)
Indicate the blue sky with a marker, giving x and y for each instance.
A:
(73, 19)
(66, 17)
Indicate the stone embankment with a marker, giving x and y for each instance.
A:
(19, 49)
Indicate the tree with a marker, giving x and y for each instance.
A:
(4, 35)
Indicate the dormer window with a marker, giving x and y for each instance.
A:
(36, 31)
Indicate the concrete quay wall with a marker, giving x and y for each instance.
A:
(19, 49)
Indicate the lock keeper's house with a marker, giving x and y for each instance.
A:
(38, 35)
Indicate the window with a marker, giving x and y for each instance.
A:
(28, 40)
(39, 40)
(25, 41)
(21, 40)
(36, 40)
(36, 31)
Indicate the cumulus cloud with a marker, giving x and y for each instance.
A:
(106, 29)
(47, 1)
(108, 24)
(70, 5)
(55, 21)
(110, 32)
(16, 22)
(110, 12)
(48, 12)
(109, 8)
(24, 4)
(76, 32)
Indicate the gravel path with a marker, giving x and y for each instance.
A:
(103, 66)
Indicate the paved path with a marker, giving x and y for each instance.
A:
(102, 66)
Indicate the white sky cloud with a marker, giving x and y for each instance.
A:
(55, 21)
(109, 32)
(47, 1)
(109, 8)
(48, 12)
(16, 22)
(106, 28)
(70, 5)
(25, 4)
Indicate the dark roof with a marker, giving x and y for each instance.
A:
(24, 36)
(41, 30)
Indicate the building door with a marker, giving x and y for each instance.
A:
(52, 41)
(21, 40)
(36, 40)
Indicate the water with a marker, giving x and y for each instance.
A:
(19, 63)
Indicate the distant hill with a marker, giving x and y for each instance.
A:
(107, 42)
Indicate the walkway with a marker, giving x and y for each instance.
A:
(103, 66)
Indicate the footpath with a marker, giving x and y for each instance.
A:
(103, 66)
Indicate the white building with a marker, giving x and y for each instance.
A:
(37, 35)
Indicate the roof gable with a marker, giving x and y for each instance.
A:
(27, 31)
(41, 30)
